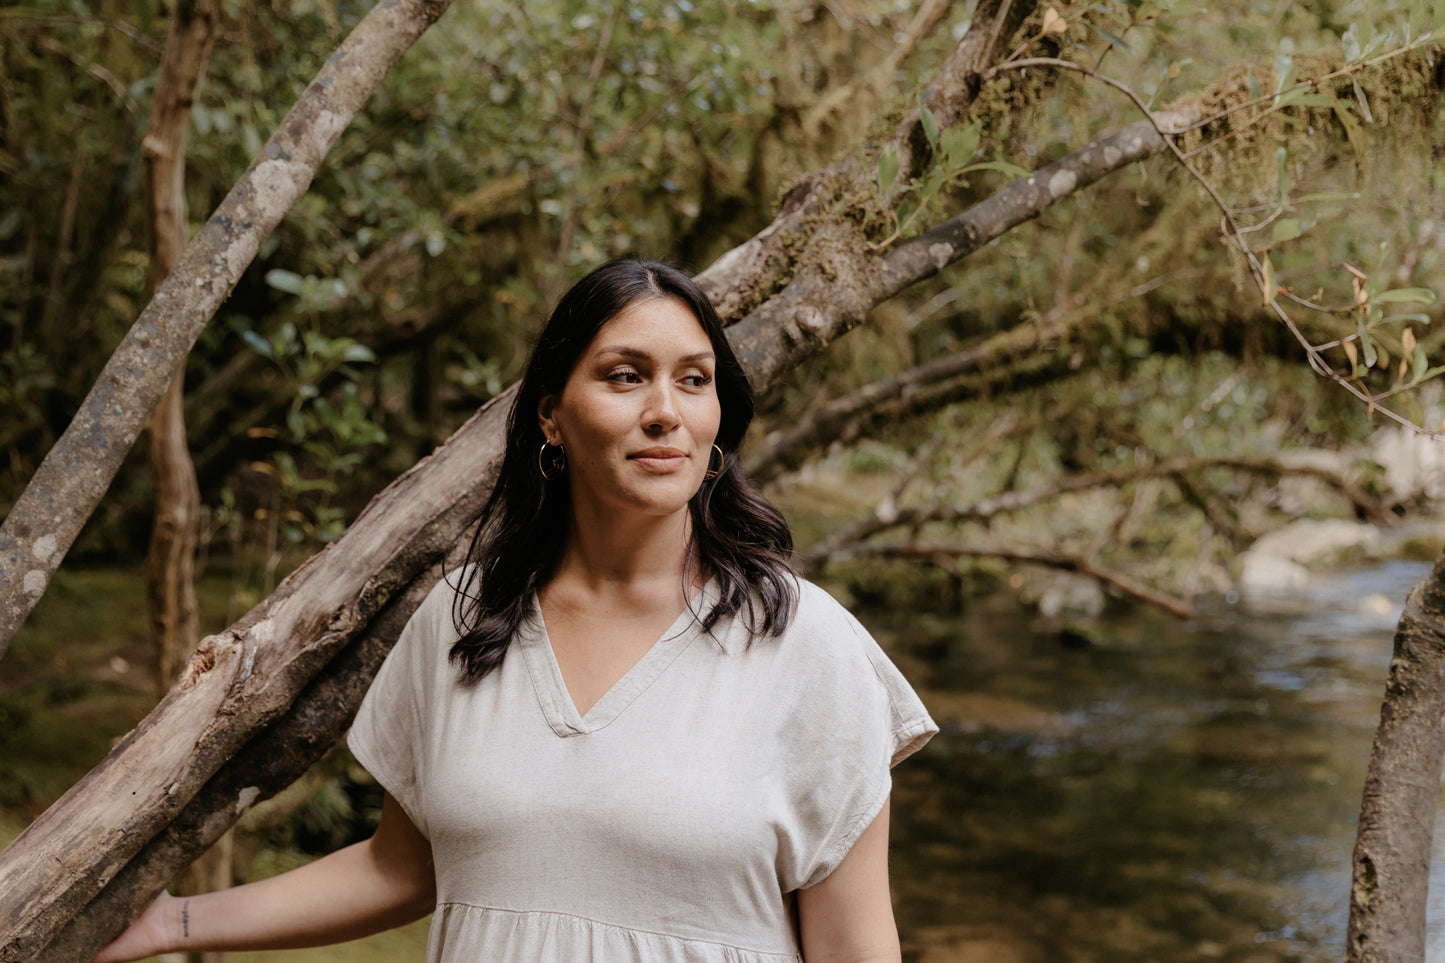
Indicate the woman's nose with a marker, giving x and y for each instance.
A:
(661, 407)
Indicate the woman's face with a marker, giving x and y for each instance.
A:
(639, 412)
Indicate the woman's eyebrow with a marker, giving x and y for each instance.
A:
(630, 352)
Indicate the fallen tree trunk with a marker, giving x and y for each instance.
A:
(1391, 872)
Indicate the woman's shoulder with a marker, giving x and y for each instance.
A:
(820, 614)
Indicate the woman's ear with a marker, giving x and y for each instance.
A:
(545, 420)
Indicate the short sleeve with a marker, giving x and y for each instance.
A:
(859, 720)
(390, 730)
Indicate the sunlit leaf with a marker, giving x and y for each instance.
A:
(1012, 170)
(930, 124)
(1284, 70)
(283, 280)
(258, 344)
(1352, 353)
(1423, 295)
(1363, 101)
(1053, 23)
(1268, 286)
(1350, 42)
(359, 352)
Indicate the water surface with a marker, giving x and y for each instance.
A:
(1159, 791)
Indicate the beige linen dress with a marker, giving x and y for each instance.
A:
(672, 822)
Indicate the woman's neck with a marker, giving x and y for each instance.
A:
(625, 554)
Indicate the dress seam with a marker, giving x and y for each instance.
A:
(615, 926)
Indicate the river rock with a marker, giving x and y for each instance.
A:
(1414, 463)
(1282, 559)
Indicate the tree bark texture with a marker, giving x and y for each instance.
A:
(170, 569)
(76, 473)
(1391, 872)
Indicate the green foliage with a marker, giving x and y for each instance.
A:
(520, 143)
(332, 431)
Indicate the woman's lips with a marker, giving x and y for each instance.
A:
(659, 458)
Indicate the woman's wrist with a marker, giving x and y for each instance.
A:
(176, 923)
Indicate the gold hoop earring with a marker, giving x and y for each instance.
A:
(712, 472)
(557, 462)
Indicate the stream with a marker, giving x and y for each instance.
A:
(1161, 791)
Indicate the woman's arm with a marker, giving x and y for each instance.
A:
(848, 917)
(371, 886)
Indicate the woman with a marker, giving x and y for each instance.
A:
(624, 731)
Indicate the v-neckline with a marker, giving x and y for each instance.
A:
(552, 695)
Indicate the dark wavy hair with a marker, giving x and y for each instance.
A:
(737, 537)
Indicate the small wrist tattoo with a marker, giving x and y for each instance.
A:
(186, 919)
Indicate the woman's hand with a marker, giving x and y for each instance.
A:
(149, 935)
(385, 881)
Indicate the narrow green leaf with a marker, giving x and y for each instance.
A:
(1284, 70)
(1421, 318)
(1420, 364)
(258, 344)
(1363, 101)
(1376, 42)
(1012, 170)
(1368, 345)
(888, 165)
(930, 124)
(1113, 40)
(1423, 295)
(1328, 196)
(1281, 161)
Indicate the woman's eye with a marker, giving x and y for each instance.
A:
(697, 381)
(625, 376)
